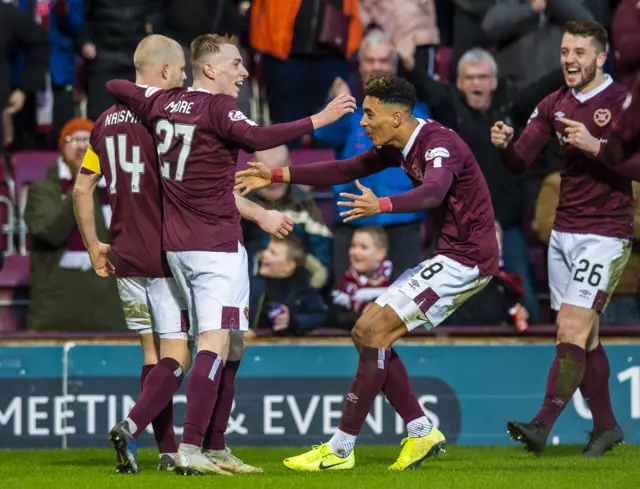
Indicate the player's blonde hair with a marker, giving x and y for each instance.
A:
(206, 45)
(152, 49)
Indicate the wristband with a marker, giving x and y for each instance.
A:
(277, 175)
(385, 204)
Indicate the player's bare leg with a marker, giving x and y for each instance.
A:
(373, 368)
(214, 443)
(594, 388)
(565, 376)
(202, 393)
(120, 435)
(397, 387)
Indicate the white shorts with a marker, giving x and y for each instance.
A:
(429, 293)
(584, 269)
(215, 286)
(154, 305)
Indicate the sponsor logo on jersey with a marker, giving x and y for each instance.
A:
(237, 116)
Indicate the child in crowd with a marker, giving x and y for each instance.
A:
(282, 298)
(367, 277)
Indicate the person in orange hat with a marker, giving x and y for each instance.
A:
(73, 142)
(66, 295)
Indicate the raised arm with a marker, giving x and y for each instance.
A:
(518, 156)
(322, 173)
(234, 125)
(137, 97)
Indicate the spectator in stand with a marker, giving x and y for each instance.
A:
(478, 99)
(308, 222)
(624, 306)
(467, 29)
(18, 29)
(283, 300)
(368, 276)
(66, 294)
(528, 33)
(184, 21)
(305, 44)
(110, 36)
(500, 302)
(412, 19)
(63, 19)
(626, 41)
(348, 138)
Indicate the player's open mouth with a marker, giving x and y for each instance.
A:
(477, 93)
(572, 71)
(239, 83)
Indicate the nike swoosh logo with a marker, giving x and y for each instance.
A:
(322, 466)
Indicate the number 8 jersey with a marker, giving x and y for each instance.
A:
(122, 150)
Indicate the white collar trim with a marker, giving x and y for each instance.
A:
(412, 139)
(191, 89)
(583, 97)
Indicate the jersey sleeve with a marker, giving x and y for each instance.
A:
(91, 162)
(233, 125)
(443, 161)
(139, 98)
(519, 155)
(336, 172)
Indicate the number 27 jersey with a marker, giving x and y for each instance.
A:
(124, 152)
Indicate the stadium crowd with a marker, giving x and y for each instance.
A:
(473, 62)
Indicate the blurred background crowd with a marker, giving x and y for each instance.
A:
(473, 62)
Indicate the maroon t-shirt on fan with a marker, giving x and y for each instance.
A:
(438, 162)
(198, 136)
(128, 161)
(593, 198)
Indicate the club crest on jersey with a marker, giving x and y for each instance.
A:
(602, 117)
(237, 116)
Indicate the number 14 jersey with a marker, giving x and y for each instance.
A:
(124, 152)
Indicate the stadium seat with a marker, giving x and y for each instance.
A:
(14, 293)
(7, 209)
(28, 166)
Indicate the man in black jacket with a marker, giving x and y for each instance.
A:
(18, 30)
(470, 107)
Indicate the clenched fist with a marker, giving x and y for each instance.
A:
(501, 135)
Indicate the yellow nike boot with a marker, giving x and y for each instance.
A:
(320, 458)
(416, 450)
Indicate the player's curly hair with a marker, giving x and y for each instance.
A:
(589, 28)
(392, 90)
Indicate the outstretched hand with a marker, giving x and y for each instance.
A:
(255, 177)
(364, 205)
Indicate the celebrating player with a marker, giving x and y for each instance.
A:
(590, 241)
(148, 291)
(449, 182)
(198, 133)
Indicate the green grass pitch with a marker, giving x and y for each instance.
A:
(460, 467)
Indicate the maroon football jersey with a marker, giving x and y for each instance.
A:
(128, 161)
(198, 136)
(434, 158)
(593, 198)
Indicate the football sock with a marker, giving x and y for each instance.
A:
(202, 392)
(370, 377)
(214, 436)
(595, 388)
(397, 389)
(564, 378)
(160, 383)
